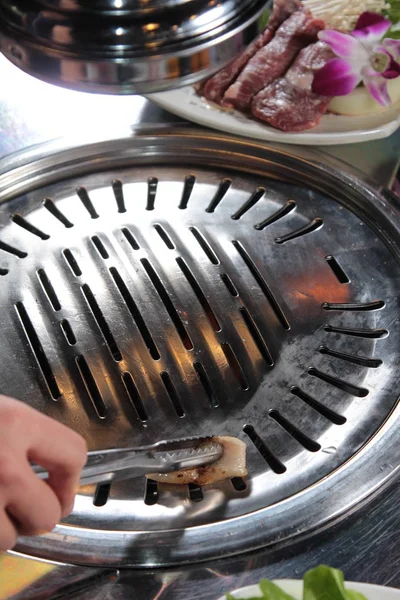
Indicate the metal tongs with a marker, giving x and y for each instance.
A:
(163, 457)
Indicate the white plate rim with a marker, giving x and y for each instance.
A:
(185, 103)
(295, 586)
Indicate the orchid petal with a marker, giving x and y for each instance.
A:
(371, 28)
(393, 69)
(393, 46)
(343, 45)
(377, 87)
(336, 78)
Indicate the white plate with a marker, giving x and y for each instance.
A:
(295, 588)
(333, 129)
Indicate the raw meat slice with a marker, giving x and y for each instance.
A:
(214, 88)
(231, 464)
(273, 60)
(289, 103)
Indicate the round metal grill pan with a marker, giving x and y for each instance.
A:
(183, 297)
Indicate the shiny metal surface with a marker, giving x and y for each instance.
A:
(234, 297)
(127, 47)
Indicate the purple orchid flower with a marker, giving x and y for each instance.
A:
(363, 56)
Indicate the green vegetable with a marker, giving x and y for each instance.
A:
(272, 591)
(351, 595)
(264, 18)
(393, 13)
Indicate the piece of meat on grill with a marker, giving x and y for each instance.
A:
(231, 464)
(274, 59)
(214, 88)
(289, 103)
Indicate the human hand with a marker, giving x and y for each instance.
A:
(28, 505)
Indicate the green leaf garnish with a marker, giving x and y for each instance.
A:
(325, 583)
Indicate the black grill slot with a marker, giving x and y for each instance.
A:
(86, 201)
(235, 365)
(223, 187)
(270, 458)
(151, 493)
(130, 238)
(371, 334)
(11, 250)
(152, 184)
(230, 286)
(91, 387)
(38, 351)
(49, 290)
(166, 300)
(252, 201)
(101, 322)
(239, 484)
(323, 410)
(21, 222)
(263, 284)
(52, 208)
(257, 337)
(205, 246)
(292, 430)
(172, 393)
(101, 249)
(164, 236)
(119, 195)
(71, 260)
(195, 493)
(363, 361)
(134, 396)
(279, 214)
(190, 180)
(68, 332)
(101, 495)
(199, 293)
(136, 314)
(337, 269)
(349, 388)
(313, 226)
(202, 375)
(362, 307)
(3, 272)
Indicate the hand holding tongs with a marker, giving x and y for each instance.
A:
(163, 457)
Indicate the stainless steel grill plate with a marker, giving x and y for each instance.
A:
(178, 284)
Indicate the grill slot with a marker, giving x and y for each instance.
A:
(252, 201)
(152, 184)
(164, 236)
(136, 314)
(367, 307)
(119, 195)
(3, 272)
(372, 334)
(270, 458)
(257, 337)
(263, 284)
(151, 493)
(49, 290)
(53, 210)
(101, 322)
(205, 246)
(190, 180)
(101, 495)
(21, 222)
(292, 430)
(323, 410)
(171, 391)
(11, 250)
(86, 201)
(68, 332)
(98, 244)
(166, 300)
(337, 269)
(134, 397)
(235, 365)
(38, 351)
(198, 367)
(199, 293)
(371, 363)
(279, 214)
(91, 387)
(230, 286)
(345, 386)
(195, 493)
(223, 188)
(310, 228)
(130, 238)
(72, 262)
(239, 484)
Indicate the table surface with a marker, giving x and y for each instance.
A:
(365, 546)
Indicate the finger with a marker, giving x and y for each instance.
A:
(8, 534)
(31, 502)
